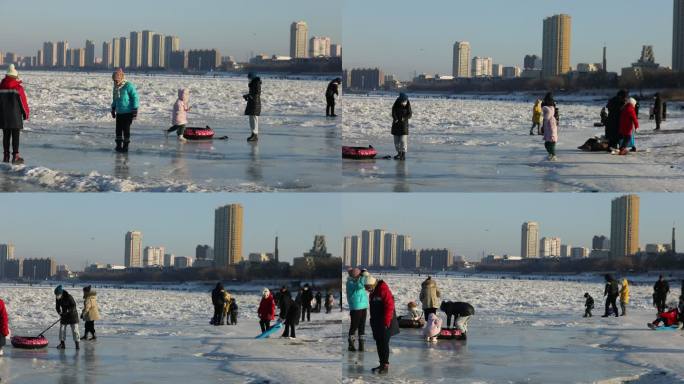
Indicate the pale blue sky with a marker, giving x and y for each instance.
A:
(75, 227)
(235, 27)
(402, 37)
(472, 223)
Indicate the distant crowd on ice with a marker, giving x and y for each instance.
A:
(289, 309)
(668, 314)
(366, 294)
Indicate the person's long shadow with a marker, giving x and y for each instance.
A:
(121, 169)
(401, 177)
(254, 168)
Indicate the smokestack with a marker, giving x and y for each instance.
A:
(605, 60)
(674, 249)
(275, 254)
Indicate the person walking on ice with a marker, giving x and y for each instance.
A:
(429, 296)
(629, 123)
(68, 316)
(331, 92)
(125, 104)
(433, 327)
(14, 109)
(550, 128)
(624, 296)
(357, 299)
(536, 117)
(266, 310)
(401, 113)
(253, 108)
(588, 304)
(90, 313)
(611, 293)
(382, 320)
(179, 118)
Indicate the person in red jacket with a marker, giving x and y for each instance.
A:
(4, 325)
(266, 310)
(668, 318)
(382, 319)
(12, 120)
(629, 123)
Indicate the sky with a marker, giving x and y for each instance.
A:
(470, 224)
(401, 37)
(235, 27)
(75, 228)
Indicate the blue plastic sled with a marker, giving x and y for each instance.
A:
(670, 328)
(270, 331)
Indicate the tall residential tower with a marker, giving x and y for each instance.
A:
(461, 59)
(556, 45)
(228, 235)
(624, 226)
(133, 250)
(530, 240)
(298, 39)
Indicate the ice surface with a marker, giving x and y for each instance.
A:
(528, 331)
(482, 143)
(151, 335)
(69, 141)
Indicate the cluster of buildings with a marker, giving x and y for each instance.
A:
(384, 250)
(13, 268)
(623, 241)
(150, 51)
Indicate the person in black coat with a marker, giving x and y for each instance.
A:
(660, 290)
(253, 109)
(289, 314)
(658, 110)
(611, 292)
(319, 299)
(460, 311)
(217, 299)
(588, 304)
(330, 93)
(614, 107)
(306, 298)
(401, 113)
(65, 305)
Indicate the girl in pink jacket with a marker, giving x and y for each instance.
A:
(179, 118)
(433, 327)
(550, 131)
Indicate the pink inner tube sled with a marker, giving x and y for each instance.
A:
(198, 133)
(29, 342)
(359, 153)
(451, 334)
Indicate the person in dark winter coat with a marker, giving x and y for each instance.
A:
(614, 107)
(549, 101)
(401, 113)
(306, 299)
(383, 320)
(658, 109)
(319, 302)
(217, 299)
(125, 104)
(289, 314)
(331, 92)
(588, 304)
(14, 109)
(461, 312)
(65, 305)
(253, 109)
(660, 290)
(233, 311)
(611, 292)
(329, 302)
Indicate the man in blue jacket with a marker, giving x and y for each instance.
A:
(125, 104)
(357, 298)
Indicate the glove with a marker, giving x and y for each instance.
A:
(113, 113)
(135, 114)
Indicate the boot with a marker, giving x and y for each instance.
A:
(351, 347)
(93, 338)
(403, 156)
(61, 345)
(361, 348)
(85, 337)
(118, 145)
(381, 369)
(253, 137)
(16, 159)
(77, 346)
(398, 156)
(124, 148)
(5, 157)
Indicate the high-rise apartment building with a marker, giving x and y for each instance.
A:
(49, 54)
(624, 226)
(298, 39)
(378, 247)
(62, 49)
(89, 53)
(550, 247)
(124, 52)
(335, 50)
(461, 59)
(146, 49)
(530, 240)
(136, 49)
(116, 53)
(153, 256)
(678, 37)
(390, 245)
(171, 44)
(204, 60)
(77, 58)
(133, 250)
(482, 66)
(6, 254)
(228, 235)
(556, 45)
(39, 269)
(367, 242)
(355, 256)
(319, 46)
(107, 54)
(158, 51)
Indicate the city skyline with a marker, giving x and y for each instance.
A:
(91, 227)
(428, 48)
(491, 223)
(225, 28)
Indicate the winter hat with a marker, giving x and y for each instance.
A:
(586, 294)
(370, 280)
(412, 304)
(403, 97)
(12, 71)
(251, 75)
(86, 289)
(354, 272)
(59, 290)
(632, 101)
(118, 75)
(266, 292)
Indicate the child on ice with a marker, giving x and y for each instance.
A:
(550, 128)
(414, 312)
(433, 327)
(329, 302)
(179, 118)
(668, 318)
(233, 311)
(588, 304)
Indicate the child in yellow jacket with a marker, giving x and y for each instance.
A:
(537, 117)
(624, 296)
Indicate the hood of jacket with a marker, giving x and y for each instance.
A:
(548, 112)
(184, 95)
(89, 294)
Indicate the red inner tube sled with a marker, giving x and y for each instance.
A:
(198, 133)
(28, 342)
(410, 323)
(451, 334)
(359, 153)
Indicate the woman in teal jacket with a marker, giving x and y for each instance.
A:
(125, 105)
(357, 298)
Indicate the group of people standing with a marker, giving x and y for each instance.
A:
(65, 305)
(225, 306)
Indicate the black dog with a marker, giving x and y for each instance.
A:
(456, 309)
